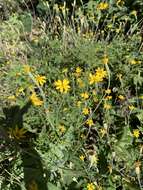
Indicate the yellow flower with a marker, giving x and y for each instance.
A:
(90, 186)
(121, 97)
(108, 97)
(41, 80)
(82, 158)
(107, 106)
(136, 133)
(84, 95)
(78, 71)
(62, 128)
(85, 111)
(20, 91)
(89, 122)
(105, 59)
(35, 100)
(108, 91)
(33, 185)
(95, 99)
(131, 107)
(92, 78)
(99, 75)
(101, 72)
(62, 85)
(26, 68)
(17, 133)
(134, 12)
(134, 62)
(102, 6)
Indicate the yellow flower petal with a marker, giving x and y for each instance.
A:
(35, 100)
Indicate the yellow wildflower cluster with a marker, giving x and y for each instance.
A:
(62, 85)
(99, 76)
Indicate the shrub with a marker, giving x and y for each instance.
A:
(71, 100)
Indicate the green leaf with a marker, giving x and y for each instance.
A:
(26, 20)
(140, 116)
(53, 187)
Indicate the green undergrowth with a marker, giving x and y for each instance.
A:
(71, 97)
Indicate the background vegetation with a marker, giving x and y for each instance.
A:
(71, 98)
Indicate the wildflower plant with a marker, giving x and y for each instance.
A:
(71, 96)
